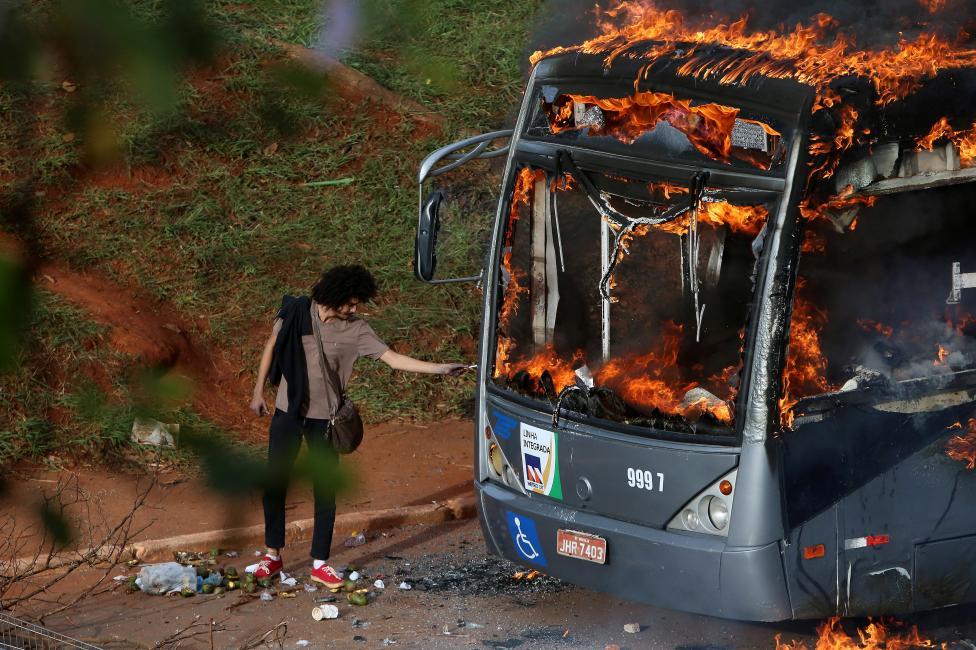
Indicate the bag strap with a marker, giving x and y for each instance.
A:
(328, 372)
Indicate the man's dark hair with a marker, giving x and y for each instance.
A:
(340, 284)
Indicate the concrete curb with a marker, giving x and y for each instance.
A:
(432, 513)
(162, 549)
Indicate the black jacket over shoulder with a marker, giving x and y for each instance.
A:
(289, 353)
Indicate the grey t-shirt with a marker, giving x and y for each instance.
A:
(344, 341)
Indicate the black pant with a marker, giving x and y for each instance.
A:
(321, 467)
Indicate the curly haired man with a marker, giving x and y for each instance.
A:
(305, 399)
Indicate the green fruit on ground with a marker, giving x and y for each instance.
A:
(265, 582)
(202, 571)
(214, 552)
(356, 598)
(349, 585)
(208, 588)
(230, 572)
(249, 577)
(218, 591)
(186, 592)
(232, 585)
(249, 587)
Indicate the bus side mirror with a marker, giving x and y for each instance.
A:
(425, 247)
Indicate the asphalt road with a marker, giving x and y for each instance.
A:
(460, 599)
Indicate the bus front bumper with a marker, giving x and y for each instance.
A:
(686, 572)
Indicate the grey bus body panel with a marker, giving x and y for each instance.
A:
(693, 573)
(593, 464)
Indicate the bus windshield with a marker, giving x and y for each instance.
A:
(628, 296)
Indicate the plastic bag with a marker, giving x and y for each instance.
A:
(166, 577)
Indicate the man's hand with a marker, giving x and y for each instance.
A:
(453, 369)
(258, 405)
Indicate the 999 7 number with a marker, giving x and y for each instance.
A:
(643, 479)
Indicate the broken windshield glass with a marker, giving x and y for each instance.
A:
(883, 316)
(605, 292)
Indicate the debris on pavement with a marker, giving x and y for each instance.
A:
(325, 612)
(488, 576)
(355, 539)
(389, 641)
(301, 643)
(357, 598)
(309, 588)
(405, 586)
(266, 596)
(354, 576)
(326, 599)
(632, 628)
(287, 580)
(379, 584)
(232, 554)
(166, 578)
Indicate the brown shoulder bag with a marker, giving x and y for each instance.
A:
(345, 426)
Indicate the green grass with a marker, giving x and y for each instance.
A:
(227, 225)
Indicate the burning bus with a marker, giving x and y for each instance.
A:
(728, 356)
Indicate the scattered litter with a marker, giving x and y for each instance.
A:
(288, 580)
(301, 643)
(287, 594)
(326, 599)
(119, 578)
(357, 598)
(447, 630)
(266, 596)
(166, 578)
(359, 637)
(632, 628)
(309, 589)
(405, 586)
(566, 633)
(355, 539)
(231, 553)
(379, 584)
(323, 612)
(389, 642)
(155, 433)
(354, 576)
(532, 575)
(470, 626)
(611, 646)
(359, 623)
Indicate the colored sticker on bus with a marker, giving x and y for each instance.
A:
(540, 461)
(525, 538)
(502, 425)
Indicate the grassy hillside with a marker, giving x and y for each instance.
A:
(209, 196)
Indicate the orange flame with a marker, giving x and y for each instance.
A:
(707, 126)
(875, 636)
(869, 325)
(965, 141)
(806, 366)
(933, 6)
(846, 200)
(524, 183)
(963, 447)
(941, 357)
(815, 54)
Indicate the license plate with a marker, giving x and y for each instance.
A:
(581, 546)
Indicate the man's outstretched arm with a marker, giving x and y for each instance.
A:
(399, 361)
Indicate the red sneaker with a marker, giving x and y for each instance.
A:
(268, 567)
(327, 576)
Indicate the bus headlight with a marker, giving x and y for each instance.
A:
(495, 460)
(710, 511)
(718, 512)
